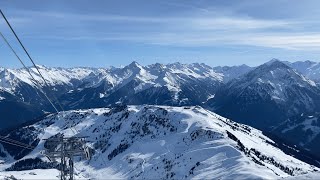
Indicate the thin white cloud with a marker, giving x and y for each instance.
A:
(91, 17)
(288, 41)
(309, 42)
(194, 22)
(292, 42)
(184, 31)
(233, 23)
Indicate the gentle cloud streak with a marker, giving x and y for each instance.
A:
(188, 31)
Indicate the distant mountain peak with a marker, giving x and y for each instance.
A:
(157, 66)
(271, 65)
(135, 67)
(309, 62)
(274, 62)
(177, 65)
(134, 64)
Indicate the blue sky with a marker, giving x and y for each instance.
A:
(216, 32)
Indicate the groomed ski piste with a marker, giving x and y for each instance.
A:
(155, 142)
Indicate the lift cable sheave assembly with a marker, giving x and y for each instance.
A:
(57, 147)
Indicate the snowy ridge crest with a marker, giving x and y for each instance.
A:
(166, 142)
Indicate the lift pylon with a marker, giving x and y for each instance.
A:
(65, 149)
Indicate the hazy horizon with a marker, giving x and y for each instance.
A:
(123, 65)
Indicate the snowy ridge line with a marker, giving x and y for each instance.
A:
(163, 141)
(63, 75)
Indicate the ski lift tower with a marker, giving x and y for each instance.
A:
(66, 149)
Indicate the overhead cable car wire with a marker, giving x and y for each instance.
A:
(35, 82)
(25, 50)
(25, 67)
(16, 142)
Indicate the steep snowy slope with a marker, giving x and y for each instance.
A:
(147, 142)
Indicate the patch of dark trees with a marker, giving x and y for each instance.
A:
(260, 156)
(29, 164)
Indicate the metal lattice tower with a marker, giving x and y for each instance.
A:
(65, 149)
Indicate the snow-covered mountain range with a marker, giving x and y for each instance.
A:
(276, 97)
(172, 84)
(144, 142)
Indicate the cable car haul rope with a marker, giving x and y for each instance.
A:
(25, 50)
(68, 147)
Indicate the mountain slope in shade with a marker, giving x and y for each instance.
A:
(274, 98)
(309, 69)
(145, 142)
(302, 130)
(271, 93)
(14, 111)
